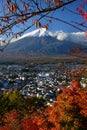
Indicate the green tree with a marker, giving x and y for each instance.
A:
(12, 100)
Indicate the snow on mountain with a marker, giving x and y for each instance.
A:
(43, 32)
(36, 33)
(44, 42)
(76, 37)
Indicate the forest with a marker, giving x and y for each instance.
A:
(68, 112)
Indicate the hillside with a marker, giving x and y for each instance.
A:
(44, 43)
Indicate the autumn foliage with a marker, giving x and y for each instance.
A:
(68, 112)
(70, 109)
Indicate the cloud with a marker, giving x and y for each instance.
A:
(77, 37)
(61, 36)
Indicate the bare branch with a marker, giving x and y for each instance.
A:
(18, 13)
(58, 19)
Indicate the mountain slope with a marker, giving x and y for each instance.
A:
(43, 43)
(29, 45)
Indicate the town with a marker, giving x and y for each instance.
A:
(40, 80)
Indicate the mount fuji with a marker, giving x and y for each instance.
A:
(76, 37)
(42, 42)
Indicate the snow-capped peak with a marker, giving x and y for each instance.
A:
(37, 33)
(43, 32)
(60, 35)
